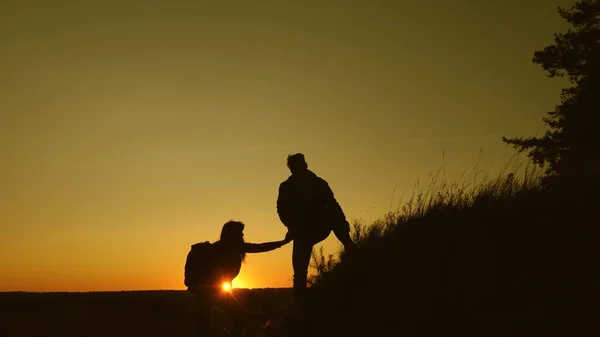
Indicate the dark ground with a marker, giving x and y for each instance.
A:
(127, 313)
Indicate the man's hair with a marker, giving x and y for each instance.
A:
(296, 162)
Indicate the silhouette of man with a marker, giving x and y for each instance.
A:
(307, 207)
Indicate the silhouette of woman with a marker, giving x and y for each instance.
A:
(230, 253)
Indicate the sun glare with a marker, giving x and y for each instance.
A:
(226, 286)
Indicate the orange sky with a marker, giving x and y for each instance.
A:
(130, 131)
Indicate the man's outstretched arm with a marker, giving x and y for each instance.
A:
(284, 210)
(283, 207)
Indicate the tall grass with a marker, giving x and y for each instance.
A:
(482, 256)
(478, 189)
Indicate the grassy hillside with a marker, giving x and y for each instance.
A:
(510, 257)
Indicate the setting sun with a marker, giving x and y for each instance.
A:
(226, 286)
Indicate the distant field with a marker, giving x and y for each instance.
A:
(128, 313)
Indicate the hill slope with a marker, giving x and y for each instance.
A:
(513, 258)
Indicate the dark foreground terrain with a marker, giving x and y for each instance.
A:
(127, 313)
(513, 257)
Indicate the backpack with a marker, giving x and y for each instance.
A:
(199, 265)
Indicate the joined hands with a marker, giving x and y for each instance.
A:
(288, 237)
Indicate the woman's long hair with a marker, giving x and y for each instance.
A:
(232, 233)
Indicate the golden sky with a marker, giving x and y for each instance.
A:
(130, 130)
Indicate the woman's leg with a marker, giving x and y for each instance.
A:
(234, 310)
(202, 316)
(301, 254)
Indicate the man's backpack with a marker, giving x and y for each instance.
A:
(199, 265)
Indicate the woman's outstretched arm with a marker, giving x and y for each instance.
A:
(263, 247)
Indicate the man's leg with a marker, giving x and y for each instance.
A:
(341, 229)
(301, 253)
